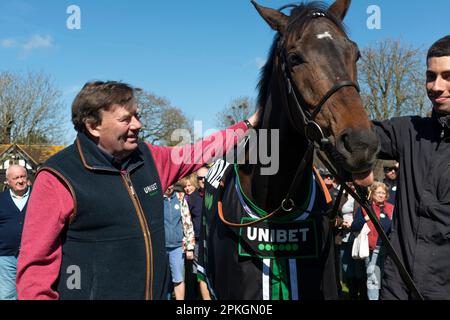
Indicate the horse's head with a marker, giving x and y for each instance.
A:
(314, 54)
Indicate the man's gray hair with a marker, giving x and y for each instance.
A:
(15, 165)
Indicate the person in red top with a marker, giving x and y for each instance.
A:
(379, 193)
(94, 227)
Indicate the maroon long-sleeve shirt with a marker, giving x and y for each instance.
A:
(51, 205)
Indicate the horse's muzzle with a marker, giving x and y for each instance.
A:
(358, 149)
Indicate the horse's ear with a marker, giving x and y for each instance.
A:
(276, 19)
(340, 8)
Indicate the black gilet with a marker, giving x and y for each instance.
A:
(113, 247)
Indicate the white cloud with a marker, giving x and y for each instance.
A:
(260, 62)
(8, 43)
(38, 42)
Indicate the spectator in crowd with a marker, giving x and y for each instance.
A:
(329, 183)
(201, 176)
(333, 189)
(390, 179)
(194, 184)
(180, 240)
(421, 227)
(13, 205)
(378, 194)
(353, 271)
(194, 200)
(98, 204)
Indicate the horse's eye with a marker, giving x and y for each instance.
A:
(295, 60)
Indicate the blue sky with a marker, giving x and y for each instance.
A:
(199, 54)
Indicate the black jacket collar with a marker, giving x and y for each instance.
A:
(442, 124)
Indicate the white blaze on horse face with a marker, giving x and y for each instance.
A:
(325, 35)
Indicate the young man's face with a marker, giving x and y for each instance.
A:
(119, 130)
(438, 83)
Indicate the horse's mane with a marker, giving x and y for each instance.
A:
(300, 15)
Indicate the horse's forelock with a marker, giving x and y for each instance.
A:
(303, 13)
(300, 14)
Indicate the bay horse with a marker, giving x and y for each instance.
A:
(269, 236)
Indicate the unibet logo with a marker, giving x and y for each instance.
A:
(151, 190)
(270, 239)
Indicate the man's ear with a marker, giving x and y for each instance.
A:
(92, 127)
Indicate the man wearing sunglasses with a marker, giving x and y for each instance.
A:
(390, 179)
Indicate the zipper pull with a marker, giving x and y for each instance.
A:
(130, 185)
(132, 190)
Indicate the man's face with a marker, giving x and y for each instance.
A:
(328, 179)
(390, 173)
(438, 83)
(118, 132)
(201, 174)
(169, 191)
(17, 179)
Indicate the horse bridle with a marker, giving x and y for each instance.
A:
(309, 127)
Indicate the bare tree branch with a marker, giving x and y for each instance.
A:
(390, 75)
(30, 109)
(239, 109)
(159, 119)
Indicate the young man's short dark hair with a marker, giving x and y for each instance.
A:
(440, 48)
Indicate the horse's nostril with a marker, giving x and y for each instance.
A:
(346, 142)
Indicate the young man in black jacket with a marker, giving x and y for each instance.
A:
(421, 225)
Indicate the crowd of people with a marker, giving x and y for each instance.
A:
(111, 217)
(361, 278)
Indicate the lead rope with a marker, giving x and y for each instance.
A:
(416, 295)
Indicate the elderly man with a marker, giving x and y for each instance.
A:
(95, 222)
(13, 203)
